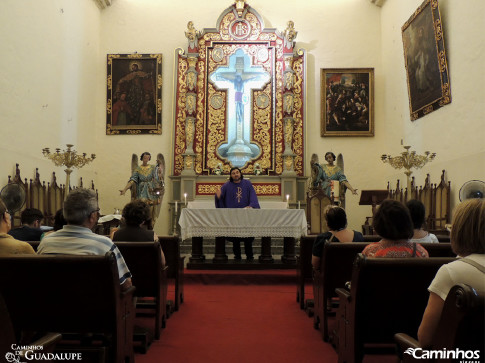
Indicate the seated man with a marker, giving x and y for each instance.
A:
(238, 193)
(8, 244)
(31, 220)
(81, 212)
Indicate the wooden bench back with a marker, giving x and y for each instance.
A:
(144, 260)
(175, 263)
(336, 264)
(462, 320)
(171, 249)
(389, 295)
(461, 327)
(439, 249)
(75, 294)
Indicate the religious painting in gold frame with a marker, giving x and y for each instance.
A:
(347, 102)
(134, 94)
(425, 57)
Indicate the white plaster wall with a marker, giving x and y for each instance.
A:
(456, 131)
(53, 84)
(342, 33)
(47, 83)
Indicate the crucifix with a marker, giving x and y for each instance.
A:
(239, 78)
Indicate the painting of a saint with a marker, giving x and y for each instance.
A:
(134, 94)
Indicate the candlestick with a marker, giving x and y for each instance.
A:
(287, 200)
(68, 158)
(408, 160)
(176, 207)
(298, 204)
(185, 199)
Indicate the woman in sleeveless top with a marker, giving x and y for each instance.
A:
(338, 232)
(392, 222)
(468, 242)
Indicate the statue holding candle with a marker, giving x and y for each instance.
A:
(147, 182)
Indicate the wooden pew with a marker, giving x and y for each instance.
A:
(175, 263)
(304, 268)
(7, 336)
(145, 263)
(461, 326)
(387, 296)
(443, 238)
(439, 249)
(335, 271)
(70, 294)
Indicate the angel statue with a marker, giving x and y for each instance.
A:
(323, 174)
(147, 182)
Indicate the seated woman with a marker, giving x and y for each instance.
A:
(392, 222)
(338, 232)
(8, 244)
(467, 241)
(416, 208)
(136, 219)
(59, 222)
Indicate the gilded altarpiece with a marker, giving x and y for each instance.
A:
(239, 99)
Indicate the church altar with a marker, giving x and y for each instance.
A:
(239, 102)
(290, 224)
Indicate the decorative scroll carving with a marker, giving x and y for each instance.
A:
(279, 146)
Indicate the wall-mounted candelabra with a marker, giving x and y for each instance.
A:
(68, 158)
(408, 160)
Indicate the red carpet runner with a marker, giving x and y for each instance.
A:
(239, 316)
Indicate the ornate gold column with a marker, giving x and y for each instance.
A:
(288, 120)
(190, 109)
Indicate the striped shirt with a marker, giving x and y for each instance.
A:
(77, 240)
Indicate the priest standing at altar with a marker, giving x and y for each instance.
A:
(238, 193)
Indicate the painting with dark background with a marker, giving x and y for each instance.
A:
(134, 94)
(347, 102)
(425, 57)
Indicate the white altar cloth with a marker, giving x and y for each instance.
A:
(210, 204)
(242, 222)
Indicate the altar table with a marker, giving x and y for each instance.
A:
(289, 224)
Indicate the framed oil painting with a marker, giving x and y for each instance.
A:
(134, 94)
(425, 57)
(347, 102)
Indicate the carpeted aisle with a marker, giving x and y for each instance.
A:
(248, 316)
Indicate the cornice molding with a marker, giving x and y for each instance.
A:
(102, 4)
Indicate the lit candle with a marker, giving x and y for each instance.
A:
(185, 199)
(287, 200)
(176, 207)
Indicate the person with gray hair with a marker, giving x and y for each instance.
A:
(81, 212)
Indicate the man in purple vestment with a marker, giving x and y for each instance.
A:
(238, 193)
